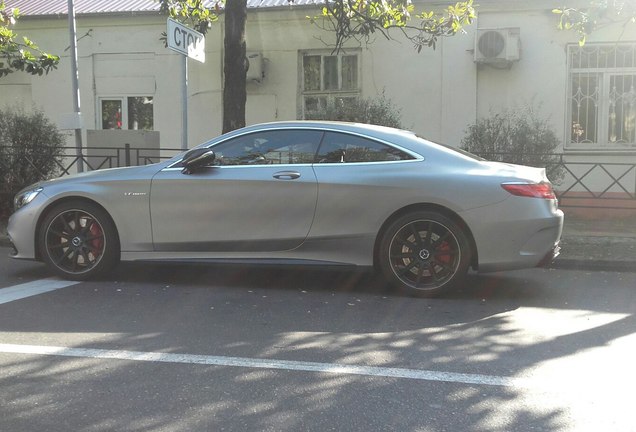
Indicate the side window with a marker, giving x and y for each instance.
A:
(339, 147)
(269, 148)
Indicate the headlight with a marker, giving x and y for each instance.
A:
(25, 197)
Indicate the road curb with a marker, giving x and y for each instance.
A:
(593, 265)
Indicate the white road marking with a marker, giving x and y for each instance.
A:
(17, 292)
(304, 366)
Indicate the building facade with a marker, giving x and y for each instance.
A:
(513, 55)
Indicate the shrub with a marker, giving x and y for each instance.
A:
(516, 136)
(30, 149)
(378, 111)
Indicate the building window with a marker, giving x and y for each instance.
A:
(328, 79)
(602, 96)
(133, 112)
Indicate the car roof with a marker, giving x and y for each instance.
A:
(383, 133)
(332, 125)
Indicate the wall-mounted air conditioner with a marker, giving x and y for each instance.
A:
(497, 46)
(255, 69)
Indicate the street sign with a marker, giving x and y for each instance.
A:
(186, 41)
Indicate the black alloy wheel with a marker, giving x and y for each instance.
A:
(424, 253)
(78, 241)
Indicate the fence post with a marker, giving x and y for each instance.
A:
(127, 154)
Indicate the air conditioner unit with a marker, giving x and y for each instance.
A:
(255, 70)
(497, 46)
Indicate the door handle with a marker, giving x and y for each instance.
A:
(287, 175)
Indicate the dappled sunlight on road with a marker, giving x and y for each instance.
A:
(556, 344)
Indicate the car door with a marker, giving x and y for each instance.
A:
(259, 195)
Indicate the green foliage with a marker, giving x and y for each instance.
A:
(516, 136)
(31, 148)
(378, 111)
(586, 20)
(21, 55)
(351, 19)
(359, 20)
(192, 13)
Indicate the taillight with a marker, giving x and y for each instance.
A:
(532, 190)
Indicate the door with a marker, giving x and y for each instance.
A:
(259, 195)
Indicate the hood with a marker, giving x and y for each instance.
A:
(108, 173)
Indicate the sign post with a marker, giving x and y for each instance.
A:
(72, 26)
(188, 43)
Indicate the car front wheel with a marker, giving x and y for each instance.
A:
(78, 240)
(424, 253)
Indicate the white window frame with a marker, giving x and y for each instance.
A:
(602, 101)
(124, 108)
(331, 95)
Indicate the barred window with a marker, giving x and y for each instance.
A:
(602, 96)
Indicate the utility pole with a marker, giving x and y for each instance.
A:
(75, 82)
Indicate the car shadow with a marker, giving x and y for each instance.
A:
(316, 278)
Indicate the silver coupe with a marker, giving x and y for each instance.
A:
(300, 192)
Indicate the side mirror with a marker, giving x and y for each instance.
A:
(197, 158)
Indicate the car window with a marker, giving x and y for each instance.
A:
(269, 148)
(339, 147)
(451, 148)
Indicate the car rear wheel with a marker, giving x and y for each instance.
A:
(424, 253)
(78, 240)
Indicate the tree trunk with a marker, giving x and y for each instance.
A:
(235, 65)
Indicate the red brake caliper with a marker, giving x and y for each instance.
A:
(444, 258)
(97, 243)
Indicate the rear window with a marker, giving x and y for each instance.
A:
(451, 148)
(345, 148)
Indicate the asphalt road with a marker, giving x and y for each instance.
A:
(238, 348)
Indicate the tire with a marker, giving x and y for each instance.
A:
(424, 253)
(78, 240)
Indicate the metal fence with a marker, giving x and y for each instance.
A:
(93, 158)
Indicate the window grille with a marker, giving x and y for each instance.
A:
(602, 96)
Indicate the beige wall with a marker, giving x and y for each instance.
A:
(539, 77)
(128, 59)
(440, 92)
